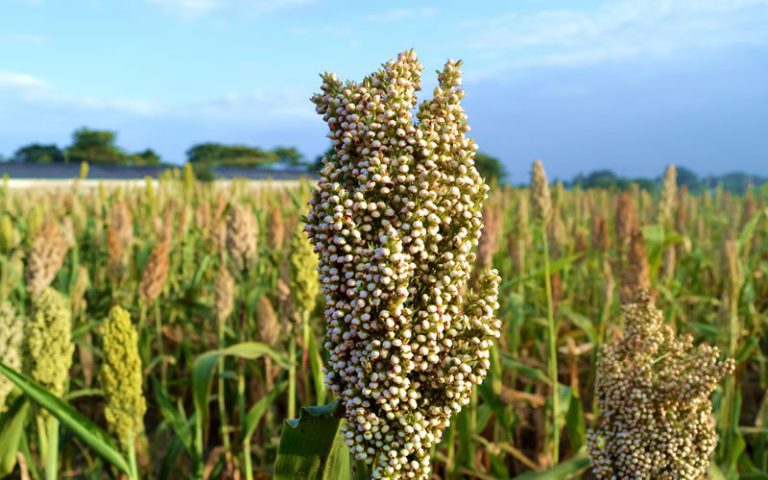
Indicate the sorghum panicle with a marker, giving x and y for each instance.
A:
(11, 334)
(241, 238)
(155, 272)
(223, 294)
(276, 227)
(79, 289)
(486, 248)
(635, 273)
(46, 256)
(394, 218)
(668, 197)
(303, 278)
(653, 389)
(121, 378)
(48, 346)
(541, 200)
(269, 325)
(625, 223)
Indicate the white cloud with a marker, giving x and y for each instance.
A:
(615, 30)
(191, 9)
(28, 89)
(262, 106)
(30, 40)
(21, 81)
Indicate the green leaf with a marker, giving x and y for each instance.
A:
(556, 266)
(311, 448)
(716, 473)
(87, 431)
(316, 364)
(202, 370)
(533, 373)
(574, 423)
(253, 417)
(562, 470)
(746, 234)
(12, 425)
(168, 466)
(566, 394)
(180, 425)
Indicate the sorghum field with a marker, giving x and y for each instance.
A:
(168, 330)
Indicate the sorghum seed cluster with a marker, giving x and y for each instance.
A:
(653, 390)
(394, 220)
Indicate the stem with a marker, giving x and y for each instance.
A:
(292, 377)
(244, 314)
(144, 342)
(132, 460)
(160, 348)
(728, 409)
(222, 400)
(247, 466)
(52, 450)
(450, 463)
(305, 355)
(552, 344)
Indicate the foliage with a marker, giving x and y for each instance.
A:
(490, 168)
(217, 154)
(37, 153)
(147, 157)
(95, 147)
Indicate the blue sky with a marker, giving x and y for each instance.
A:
(630, 85)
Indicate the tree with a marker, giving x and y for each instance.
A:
(147, 157)
(600, 179)
(289, 156)
(490, 168)
(317, 165)
(687, 177)
(95, 146)
(218, 154)
(37, 153)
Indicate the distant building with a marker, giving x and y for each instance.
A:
(61, 171)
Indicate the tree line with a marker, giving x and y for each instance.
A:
(735, 182)
(100, 147)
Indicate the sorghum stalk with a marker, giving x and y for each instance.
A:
(394, 218)
(666, 216)
(223, 306)
(542, 211)
(269, 332)
(121, 378)
(728, 417)
(79, 304)
(653, 389)
(152, 282)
